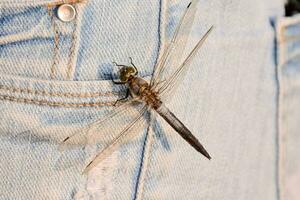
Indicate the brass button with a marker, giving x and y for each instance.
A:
(66, 12)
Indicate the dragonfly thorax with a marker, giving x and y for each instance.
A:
(139, 87)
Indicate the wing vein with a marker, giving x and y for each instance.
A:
(116, 141)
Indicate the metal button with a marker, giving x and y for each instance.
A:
(66, 12)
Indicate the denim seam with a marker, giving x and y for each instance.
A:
(281, 27)
(18, 2)
(290, 39)
(282, 40)
(143, 172)
(286, 22)
(56, 104)
(56, 94)
(56, 43)
(146, 157)
(72, 47)
(48, 2)
(66, 1)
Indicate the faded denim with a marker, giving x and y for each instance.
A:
(288, 30)
(55, 78)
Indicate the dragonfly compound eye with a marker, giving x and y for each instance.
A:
(126, 72)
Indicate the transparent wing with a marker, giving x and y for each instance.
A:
(104, 130)
(131, 130)
(172, 55)
(116, 128)
(169, 85)
(42, 133)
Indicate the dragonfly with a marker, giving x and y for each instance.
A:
(145, 98)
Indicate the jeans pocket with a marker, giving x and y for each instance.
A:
(36, 115)
(288, 31)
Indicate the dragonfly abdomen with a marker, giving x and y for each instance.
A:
(180, 128)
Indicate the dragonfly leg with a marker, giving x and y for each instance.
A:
(123, 98)
(116, 82)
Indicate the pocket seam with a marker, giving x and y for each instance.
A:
(283, 24)
(66, 1)
(56, 94)
(42, 2)
(55, 104)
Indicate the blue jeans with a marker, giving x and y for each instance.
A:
(289, 105)
(239, 98)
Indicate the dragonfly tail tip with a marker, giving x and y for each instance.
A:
(205, 153)
(209, 158)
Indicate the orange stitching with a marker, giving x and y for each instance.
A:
(56, 43)
(65, 1)
(290, 38)
(56, 94)
(72, 48)
(281, 30)
(281, 58)
(56, 104)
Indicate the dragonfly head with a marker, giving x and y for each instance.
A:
(127, 72)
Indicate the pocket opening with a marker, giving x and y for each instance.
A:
(60, 93)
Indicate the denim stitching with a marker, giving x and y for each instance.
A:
(66, 1)
(279, 137)
(278, 172)
(282, 39)
(145, 160)
(18, 2)
(48, 2)
(56, 104)
(56, 43)
(290, 39)
(283, 25)
(56, 94)
(72, 47)
(146, 155)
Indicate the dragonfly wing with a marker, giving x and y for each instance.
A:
(167, 87)
(106, 128)
(172, 54)
(126, 134)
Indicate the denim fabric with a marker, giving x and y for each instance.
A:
(41, 105)
(288, 30)
(55, 78)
